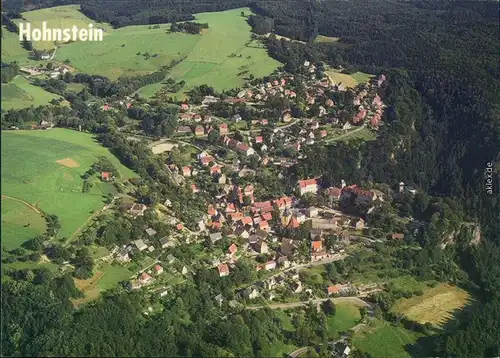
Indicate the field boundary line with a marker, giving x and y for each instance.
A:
(34, 208)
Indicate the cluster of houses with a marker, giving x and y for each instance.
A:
(51, 72)
(145, 278)
(238, 214)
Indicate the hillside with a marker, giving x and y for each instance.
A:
(19, 93)
(34, 175)
(223, 55)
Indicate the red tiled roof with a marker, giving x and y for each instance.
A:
(262, 204)
(206, 159)
(233, 248)
(294, 223)
(246, 220)
(316, 245)
(223, 268)
(306, 183)
(267, 216)
(179, 226)
(236, 216)
(144, 276)
(398, 236)
(335, 191)
(334, 288)
(158, 268)
(243, 147)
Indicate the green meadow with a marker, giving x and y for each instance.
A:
(19, 93)
(222, 56)
(19, 223)
(210, 61)
(386, 340)
(123, 50)
(30, 172)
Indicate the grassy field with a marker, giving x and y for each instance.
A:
(19, 93)
(59, 17)
(363, 134)
(105, 278)
(435, 306)
(351, 80)
(122, 51)
(150, 90)
(34, 175)
(75, 87)
(346, 317)
(11, 47)
(19, 223)
(118, 53)
(209, 60)
(385, 340)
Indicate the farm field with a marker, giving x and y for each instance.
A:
(346, 317)
(209, 62)
(15, 218)
(122, 51)
(149, 91)
(435, 306)
(351, 80)
(11, 47)
(19, 93)
(386, 340)
(55, 187)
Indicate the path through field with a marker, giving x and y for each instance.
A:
(34, 208)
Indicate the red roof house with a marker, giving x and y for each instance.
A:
(316, 246)
(105, 176)
(223, 129)
(308, 186)
(158, 270)
(232, 249)
(223, 270)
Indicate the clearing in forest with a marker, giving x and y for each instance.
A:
(348, 80)
(435, 306)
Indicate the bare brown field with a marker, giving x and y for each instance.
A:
(68, 162)
(89, 289)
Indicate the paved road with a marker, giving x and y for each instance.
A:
(353, 300)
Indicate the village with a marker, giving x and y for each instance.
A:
(279, 236)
